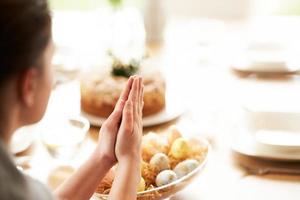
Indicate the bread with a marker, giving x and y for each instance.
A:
(100, 92)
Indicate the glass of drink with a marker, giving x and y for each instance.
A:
(63, 138)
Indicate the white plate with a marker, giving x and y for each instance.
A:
(245, 143)
(171, 111)
(271, 140)
(22, 139)
(269, 134)
(266, 58)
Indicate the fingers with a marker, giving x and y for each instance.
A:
(138, 113)
(117, 113)
(133, 96)
(126, 91)
(127, 118)
(130, 109)
(131, 114)
(139, 95)
(141, 98)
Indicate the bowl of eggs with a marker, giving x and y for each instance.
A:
(170, 162)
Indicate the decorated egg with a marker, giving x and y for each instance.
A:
(160, 161)
(185, 167)
(180, 148)
(165, 177)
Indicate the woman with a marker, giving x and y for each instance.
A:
(26, 50)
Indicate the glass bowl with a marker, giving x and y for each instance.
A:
(168, 190)
(64, 137)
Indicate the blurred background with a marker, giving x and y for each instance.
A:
(203, 8)
(85, 27)
(200, 42)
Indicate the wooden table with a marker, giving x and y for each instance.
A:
(213, 96)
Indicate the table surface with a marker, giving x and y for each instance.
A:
(213, 98)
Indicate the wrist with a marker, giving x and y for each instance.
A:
(130, 160)
(131, 167)
(101, 158)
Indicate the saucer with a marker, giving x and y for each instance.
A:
(246, 144)
(276, 140)
(268, 134)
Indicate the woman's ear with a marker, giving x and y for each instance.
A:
(28, 86)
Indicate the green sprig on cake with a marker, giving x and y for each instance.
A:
(120, 68)
(126, 70)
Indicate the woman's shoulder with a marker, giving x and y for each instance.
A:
(12, 182)
(14, 185)
(38, 190)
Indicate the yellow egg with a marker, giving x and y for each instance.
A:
(173, 134)
(142, 185)
(180, 148)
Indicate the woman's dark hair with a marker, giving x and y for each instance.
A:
(25, 31)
